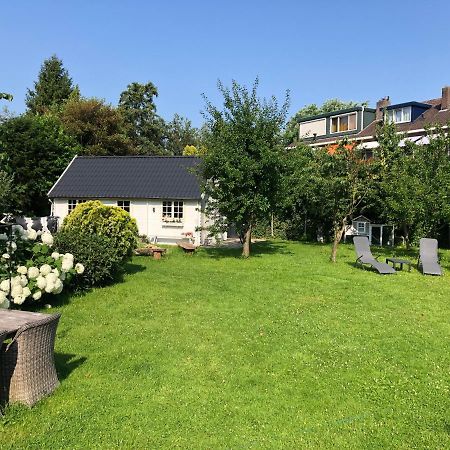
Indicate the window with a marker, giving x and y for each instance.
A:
(172, 211)
(361, 227)
(72, 203)
(346, 122)
(124, 204)
(399, 115)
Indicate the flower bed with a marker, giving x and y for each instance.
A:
(30, 268)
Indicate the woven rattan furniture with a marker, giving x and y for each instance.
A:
(27, 367)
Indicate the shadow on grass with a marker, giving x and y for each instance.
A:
(66, 363)
(258, 249)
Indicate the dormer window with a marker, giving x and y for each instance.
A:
(345, 122)
(399, 115)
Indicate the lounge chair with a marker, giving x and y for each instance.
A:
(364, 256)
(428, 257)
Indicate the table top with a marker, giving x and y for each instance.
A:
(398, 260)
(12, 320)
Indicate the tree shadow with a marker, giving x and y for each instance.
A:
(258, 249)
(66, 363)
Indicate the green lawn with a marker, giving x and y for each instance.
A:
(284, 350)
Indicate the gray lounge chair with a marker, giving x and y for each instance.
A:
(364, 256)
(428, 257)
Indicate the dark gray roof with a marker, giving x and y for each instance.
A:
(168, 177)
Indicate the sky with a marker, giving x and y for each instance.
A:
(352, 50)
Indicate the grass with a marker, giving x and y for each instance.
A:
(284, 350)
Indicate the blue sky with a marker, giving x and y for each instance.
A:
(353, 50)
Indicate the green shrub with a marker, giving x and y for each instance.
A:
(101, 261)
(94, 217)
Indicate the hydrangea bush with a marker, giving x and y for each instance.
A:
(29, 268)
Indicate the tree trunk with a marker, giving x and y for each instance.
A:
(338, 232)
(247, 242)
(406, 236)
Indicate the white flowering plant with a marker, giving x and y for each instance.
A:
(30, 268)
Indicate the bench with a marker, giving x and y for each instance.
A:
(187, 246)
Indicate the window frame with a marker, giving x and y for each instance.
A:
(358, 224)
(390, 114)
(172, 211)
(338, 117)
(72, 203)
(124, 206)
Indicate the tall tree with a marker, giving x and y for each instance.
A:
(331, 105)
(330, 185)
(145, 127)
(98, 128)
(37, 151)
(52, 88)
(242, 167)
(179, 133)
(415, 182)
(5, 183)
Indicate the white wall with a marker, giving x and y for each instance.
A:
(148, 215)
(308, 129)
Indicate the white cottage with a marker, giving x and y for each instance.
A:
(377, 233)
(161, 192)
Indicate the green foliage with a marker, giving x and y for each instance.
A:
(415, 183)
(97, 253)
(242, 167)
(37, 151)
(97, 127)
(52, 88)
(93, 217)
(328, 186)
(331, 105)
(145, 128)
(5, 96)
(179, 135)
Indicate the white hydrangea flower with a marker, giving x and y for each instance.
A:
(55, 271)
(16, 281)
(51, 278)
(45, 269)
(18, 299)
(41, 282)
(47, 238)
(58, 287)
(22, 270)
(32, 234)
(23, 280)
(49, 288)
(4, 286)
(55, 255)
(33, 272)
(68, 256)
(3, 297)
(79, 268)
(66, 265)
(3, 237)
(26, 292)
(5, 256)
(16, 291)
(37, 295)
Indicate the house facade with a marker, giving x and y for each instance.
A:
(359, 125)
(162, 193)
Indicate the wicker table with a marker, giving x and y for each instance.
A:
(27, 366)
(11, 320)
